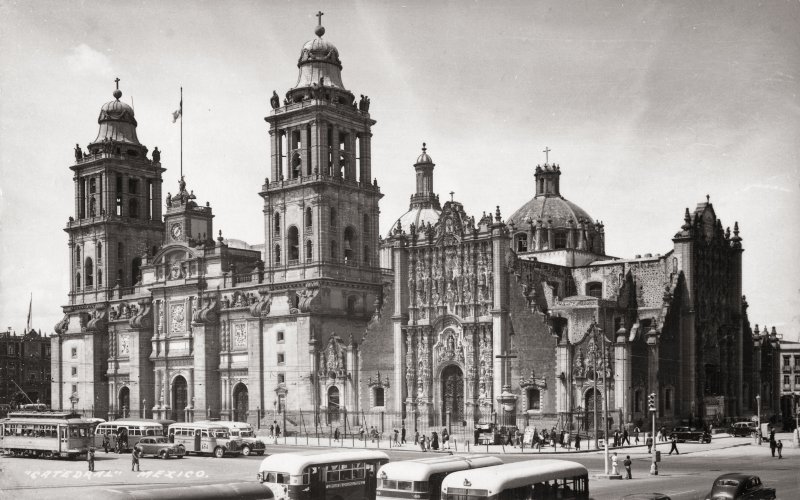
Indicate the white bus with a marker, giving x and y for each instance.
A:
(125, 433)
(322, 474)
(526, 480)
(422, 478)
(203, 438)
(244, 432)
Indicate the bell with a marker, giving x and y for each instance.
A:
(347, 245)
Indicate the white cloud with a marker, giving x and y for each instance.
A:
(85, 60)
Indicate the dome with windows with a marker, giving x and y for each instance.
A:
(425, 207)
(320, 74)
(117, 123)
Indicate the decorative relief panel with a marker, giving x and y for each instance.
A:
(177, 316)
(240, 336)
(124, 345)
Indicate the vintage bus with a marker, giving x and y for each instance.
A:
(45, 434)
(322, 474)
(204, 438)
(243, 431)
(526, 480)
(422, 478)
(125, 433)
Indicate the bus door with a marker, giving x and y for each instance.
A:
(197, 439)
(370, 480)
(316, 483)
(435, 485)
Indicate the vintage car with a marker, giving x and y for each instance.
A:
(690, 434)
(159, 446)
(745, 429)
(736, 486)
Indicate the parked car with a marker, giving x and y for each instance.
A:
(690, 434)
(739, 486)
(646, 496)
(159, 446)
(745, 428)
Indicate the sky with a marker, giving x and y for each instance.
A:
(647, 106)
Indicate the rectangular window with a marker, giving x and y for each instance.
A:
(74, 352)
(281, 378)
(280, 337)
(786, 380)
(74, 371)
(797, 380)
(786, 361)
(74, 388)
(668, 399)
(797, 361)
(281, 358)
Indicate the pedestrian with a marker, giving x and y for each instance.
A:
(105, 443)
(577, 441)
(396, 437)
(674, 446)
(135, 460)
(416, 438)
(616, 439)
(648, 440)
(90, 459)
(277, 430)
(336, 434)
(271, 430)
(614, 465)
(772, 444)
(626, 438)
(403, 434)
(778, 446)
(663, 431)
(627, 464)
(434, 441)
(445, 439)
(636, 432)
(659, 436)
(422, 443)
(361, 432)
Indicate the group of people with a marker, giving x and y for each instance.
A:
(775, 445)
(432, 442)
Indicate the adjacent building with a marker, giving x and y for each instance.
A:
(24, 368)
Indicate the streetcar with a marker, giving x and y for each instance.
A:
(526, 480)
(124, 434)
(422, 478)
(322, 474)
(45, 434)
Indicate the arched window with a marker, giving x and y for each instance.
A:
(99, 277)
(594, 289)
(135, 266)
(120, 250)
(379, 397)
(366, 254)
(334, 221)
(334, 250)
(92, 207)
(294, 244)
(133, 208)
(99, 253)
(521, 240)
(352, 301)
(309, 251)
(78, 256)
(560, 239)
(88, 270)
(78, 281)
(365, 224)
(308, 220)
(349, 245)
(276, 223)
(277, 255)
(92, 185)
(120, 277)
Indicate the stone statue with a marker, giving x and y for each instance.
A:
(156, 155)
(363, 104)
(274, 101)
(78, 153)
(169, 200)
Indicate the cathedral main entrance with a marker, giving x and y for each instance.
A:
(452, 394)
(589, 409)
(179, 398)
(125, 402)
(333, 405)
(240, 403)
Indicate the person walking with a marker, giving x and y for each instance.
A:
(90, 459)
(659, 436)
(614, 465)
(336, 434)
(277, 430)
(396, 437)
(445, 439)
(772, 444)
(422, 443)
(135, 460)
(361, 432)
(105, 443)
(627, 464)
(578, 441)
(636, 432)
(271, 430)
(778, 446)
(626, 437)
(674, 446)
(434, 441)
(416, 438)
(648, 440)
(403, 434)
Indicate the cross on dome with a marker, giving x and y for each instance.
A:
(320, 28)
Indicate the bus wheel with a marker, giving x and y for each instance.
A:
(246, 451)
(164, 455)
(219, 452)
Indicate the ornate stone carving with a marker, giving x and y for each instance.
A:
(177, 314)
(207, 311)
(124, 345)
(99, 320)
(308, 298)
(262, 305)
(532, 381)
(378, 381)
(240, 336)
(61, 326)
(332, 359)
(142, 317)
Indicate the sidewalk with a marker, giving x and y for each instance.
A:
(719, 441)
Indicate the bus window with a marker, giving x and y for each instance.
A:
(205, 433)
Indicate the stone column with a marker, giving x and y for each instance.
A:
(305, 157)
(275, 140)
(335, 152)
(563, 386)
(401, 301)
(622, 375)
(190, 396)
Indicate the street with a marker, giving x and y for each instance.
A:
(686, 476)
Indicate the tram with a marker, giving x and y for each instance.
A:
(45, 434)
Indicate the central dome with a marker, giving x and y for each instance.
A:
(320, 67)
(117, 122)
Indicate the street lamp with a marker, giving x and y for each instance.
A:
(758, 408)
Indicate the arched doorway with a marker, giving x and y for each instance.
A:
(589, 400)
(124, 400)
(333, 405)
(179, 398)
(240, 403)
(453, 394)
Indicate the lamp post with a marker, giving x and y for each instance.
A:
(758, 409)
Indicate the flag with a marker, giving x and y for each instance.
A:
(30, 308)
(178, 112)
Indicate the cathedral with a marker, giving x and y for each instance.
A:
(450, 319)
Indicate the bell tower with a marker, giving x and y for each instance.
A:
(117, 222)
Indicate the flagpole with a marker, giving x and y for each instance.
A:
(181, 132)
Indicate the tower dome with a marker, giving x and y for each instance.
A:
(424, 207)
(551, 222)
(320, 71)
(117, 123)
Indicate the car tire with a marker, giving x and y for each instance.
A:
(219, 452)
(246, 451)
(164, 454)
(260, 453)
